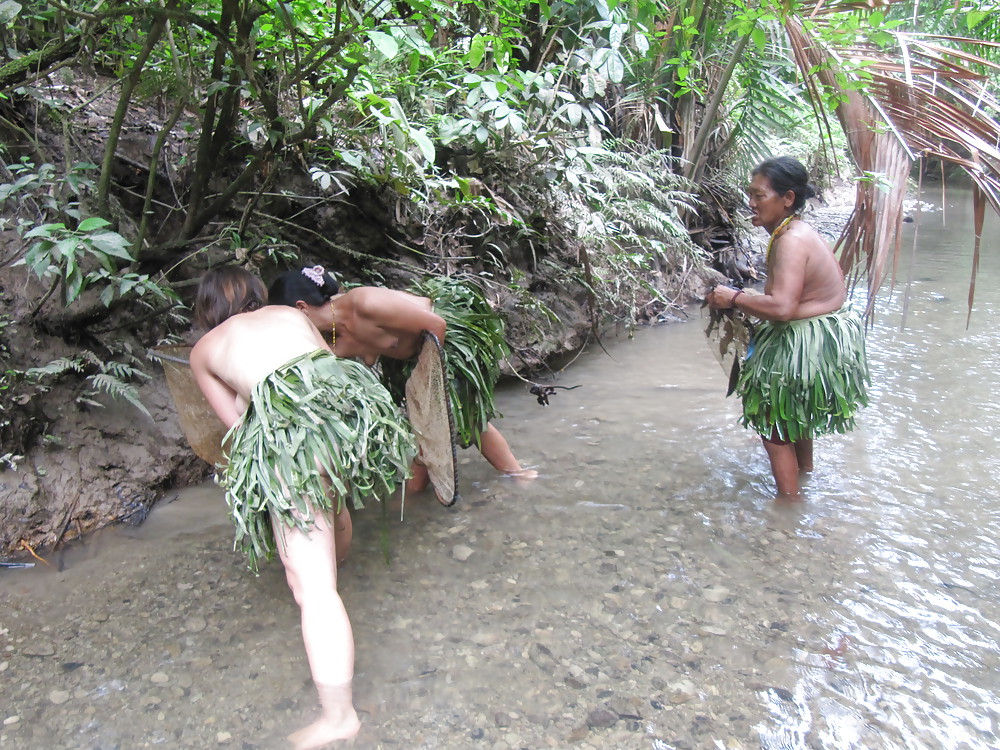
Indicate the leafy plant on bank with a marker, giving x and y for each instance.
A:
(73, 254)
(628, 208)
(111, 378)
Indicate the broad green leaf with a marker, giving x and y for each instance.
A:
(384, 43)
(45, 230)
(111, 243)
(352, 159)
(574, 112)
(616, 34)
(65, 248)
(974, 17)
(9, 10)
(215, 87)
(477, 50)
(74, 279)
(419, 136)
(94, 222)
(516, 123)
(616, 67)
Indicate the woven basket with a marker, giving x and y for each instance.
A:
(202, 428)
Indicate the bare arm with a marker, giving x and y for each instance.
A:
(398, 313)
(783, 293)
(220, 396)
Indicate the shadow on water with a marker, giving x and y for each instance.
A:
(645, 592)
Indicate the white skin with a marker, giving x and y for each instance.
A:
(374, 322)
(804, 280)
(227, 363)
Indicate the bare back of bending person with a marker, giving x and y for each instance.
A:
(227, 363)
(804, 280)
(372, 322)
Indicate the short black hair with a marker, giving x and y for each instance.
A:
(293, 286)
(786, 173)
(227, 291)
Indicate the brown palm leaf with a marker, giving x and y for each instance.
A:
(927, 97)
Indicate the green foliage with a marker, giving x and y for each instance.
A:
(824, 377)
(628, 208)
(12, 399)
(42, 192)
(112, 378)
(65, 253)
(75, 254)
(539, 316)
(444, 107)
(474, 346)
(86, 253)
(312, 426)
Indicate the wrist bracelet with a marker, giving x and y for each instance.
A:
(732, 302)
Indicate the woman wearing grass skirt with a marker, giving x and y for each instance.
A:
(307, 432)
(369, 322)
(806, 374)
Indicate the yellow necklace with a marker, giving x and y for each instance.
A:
(774, 235)
(333, 325)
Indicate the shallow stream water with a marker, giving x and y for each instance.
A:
(644, 592)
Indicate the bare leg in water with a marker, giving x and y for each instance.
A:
(804, 455)
(311, 570)
(784, 467)
(495, 449)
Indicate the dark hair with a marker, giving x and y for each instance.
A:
(227, 291)
(786, 173)
(293, 286)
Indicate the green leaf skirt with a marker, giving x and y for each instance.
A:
(474, 346)
(805, 378)
(318, 431)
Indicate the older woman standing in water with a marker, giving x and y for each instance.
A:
(307, 430)
(369, 322)
(806, 374)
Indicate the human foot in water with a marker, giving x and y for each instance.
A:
(323, 732)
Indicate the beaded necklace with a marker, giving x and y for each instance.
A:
(774, 234)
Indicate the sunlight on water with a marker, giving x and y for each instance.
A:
(895, 555)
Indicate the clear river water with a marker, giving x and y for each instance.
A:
(645, 592)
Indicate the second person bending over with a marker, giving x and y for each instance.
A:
(368, 322)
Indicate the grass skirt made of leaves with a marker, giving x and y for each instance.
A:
(474, 346)
(318, 431)
(805, 378)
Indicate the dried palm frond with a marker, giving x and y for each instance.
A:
(926, 96)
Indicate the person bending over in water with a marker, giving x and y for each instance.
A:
(369, 322)
(809, 336)
(290, 404)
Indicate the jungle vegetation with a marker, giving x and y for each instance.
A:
(602, 142)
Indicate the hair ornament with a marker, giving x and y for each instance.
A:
(316, 274)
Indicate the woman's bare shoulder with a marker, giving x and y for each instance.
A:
(370, 298)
